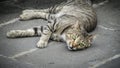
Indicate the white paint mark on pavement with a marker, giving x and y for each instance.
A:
(105, 61)
(9, 22)
(100, 4)
(13, 59)
(107, 28)
(6, 57)
(3, 56)
(24, 53)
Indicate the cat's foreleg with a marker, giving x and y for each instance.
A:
(45, 36)
(24, 33)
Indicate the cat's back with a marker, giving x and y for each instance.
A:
(78, 10)
(84, 12)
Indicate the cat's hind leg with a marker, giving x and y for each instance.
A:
(30, 14)
(41, 13)
(36, 10)
(24, 33)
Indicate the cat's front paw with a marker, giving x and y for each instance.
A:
(42, 44)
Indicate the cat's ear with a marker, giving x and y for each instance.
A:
(90, 37)
(77, 25)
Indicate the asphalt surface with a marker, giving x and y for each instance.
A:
(22, 52)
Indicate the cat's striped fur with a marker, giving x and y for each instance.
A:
(70, 22)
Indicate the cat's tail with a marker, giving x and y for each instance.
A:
(36, 31)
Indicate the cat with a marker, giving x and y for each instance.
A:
(70, 22)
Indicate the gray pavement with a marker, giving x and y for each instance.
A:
(12, 63)
(22, 52)
(111, 64)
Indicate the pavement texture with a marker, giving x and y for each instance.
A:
(22, 52)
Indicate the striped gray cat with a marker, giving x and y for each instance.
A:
(70, 22)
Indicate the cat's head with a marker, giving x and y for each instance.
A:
(77, 38)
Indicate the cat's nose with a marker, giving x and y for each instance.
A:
(72, 48)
